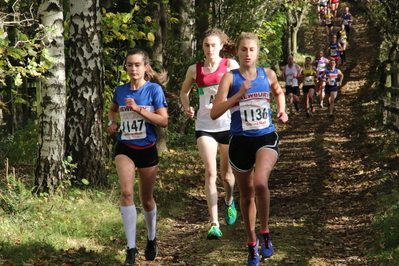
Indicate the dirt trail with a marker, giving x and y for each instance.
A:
(323, 181)
(321, 188)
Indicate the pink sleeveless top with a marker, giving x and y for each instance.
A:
(208, 85)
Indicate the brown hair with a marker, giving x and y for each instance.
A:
(247, 35)
(229, 46)
(150, 74)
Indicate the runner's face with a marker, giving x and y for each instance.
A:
(308, 61)
(290, 60)
(135, 67)
(248, 52)
(212, 46)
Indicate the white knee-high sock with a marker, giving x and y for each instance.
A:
(151, 222)
(129, 217)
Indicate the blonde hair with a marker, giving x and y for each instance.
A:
(247, 36)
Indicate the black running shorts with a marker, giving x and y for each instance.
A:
(142, 158)
(242, 149)
(221, 137)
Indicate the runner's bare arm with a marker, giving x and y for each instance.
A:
(220, 104)
(278, 93)
(186, 88)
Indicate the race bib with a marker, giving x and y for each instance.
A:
(346, 22)
(333, 52)
(331, 81)
(321, 67)
(328, 21)
(289, 81)
(342, 39)
(132, 125)
(254, 114)
(308, 80)
(209, 95)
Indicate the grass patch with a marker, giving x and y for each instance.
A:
(84, 226)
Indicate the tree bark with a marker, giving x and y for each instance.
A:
(158, 10)
(86, 103)
(49, 171)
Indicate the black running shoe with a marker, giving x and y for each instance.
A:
(151, 250)
(131, 255)
(296, 106)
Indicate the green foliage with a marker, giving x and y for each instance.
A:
(263, 18)
(182, 133)
(384, 14)
(386, 221)
(69, 177)
(122, 31)
(271, 36)
(14, 197)
(20, 148)
(21, 46)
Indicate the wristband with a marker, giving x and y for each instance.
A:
(110, 122)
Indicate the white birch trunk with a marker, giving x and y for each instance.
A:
(49, 171)
(86, 99)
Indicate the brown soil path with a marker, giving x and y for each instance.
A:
(323, 182)
(321, 188)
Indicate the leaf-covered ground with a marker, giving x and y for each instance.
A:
(321, 188)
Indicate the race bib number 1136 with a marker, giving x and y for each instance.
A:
(254, 114)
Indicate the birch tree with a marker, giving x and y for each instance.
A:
(49, 170)
(86, 101)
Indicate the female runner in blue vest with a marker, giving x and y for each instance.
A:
(254, 138)
(333, 78)
(141, 106)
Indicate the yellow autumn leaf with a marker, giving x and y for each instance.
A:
(151, 36)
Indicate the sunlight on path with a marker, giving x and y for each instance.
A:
(321, 205)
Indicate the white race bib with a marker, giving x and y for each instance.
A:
(333, 52)
(321, 67)
(132, 125)
(254, 114)
(289, 80)
(209, 95)
(308, 80)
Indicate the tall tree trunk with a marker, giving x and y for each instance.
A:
(158, 10)
(86, 103)
(49, 171)
(202, 20)
(184, 30)
(10, 116)
(294, 39)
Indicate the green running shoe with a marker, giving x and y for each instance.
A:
(214, 233)
(231, 214)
